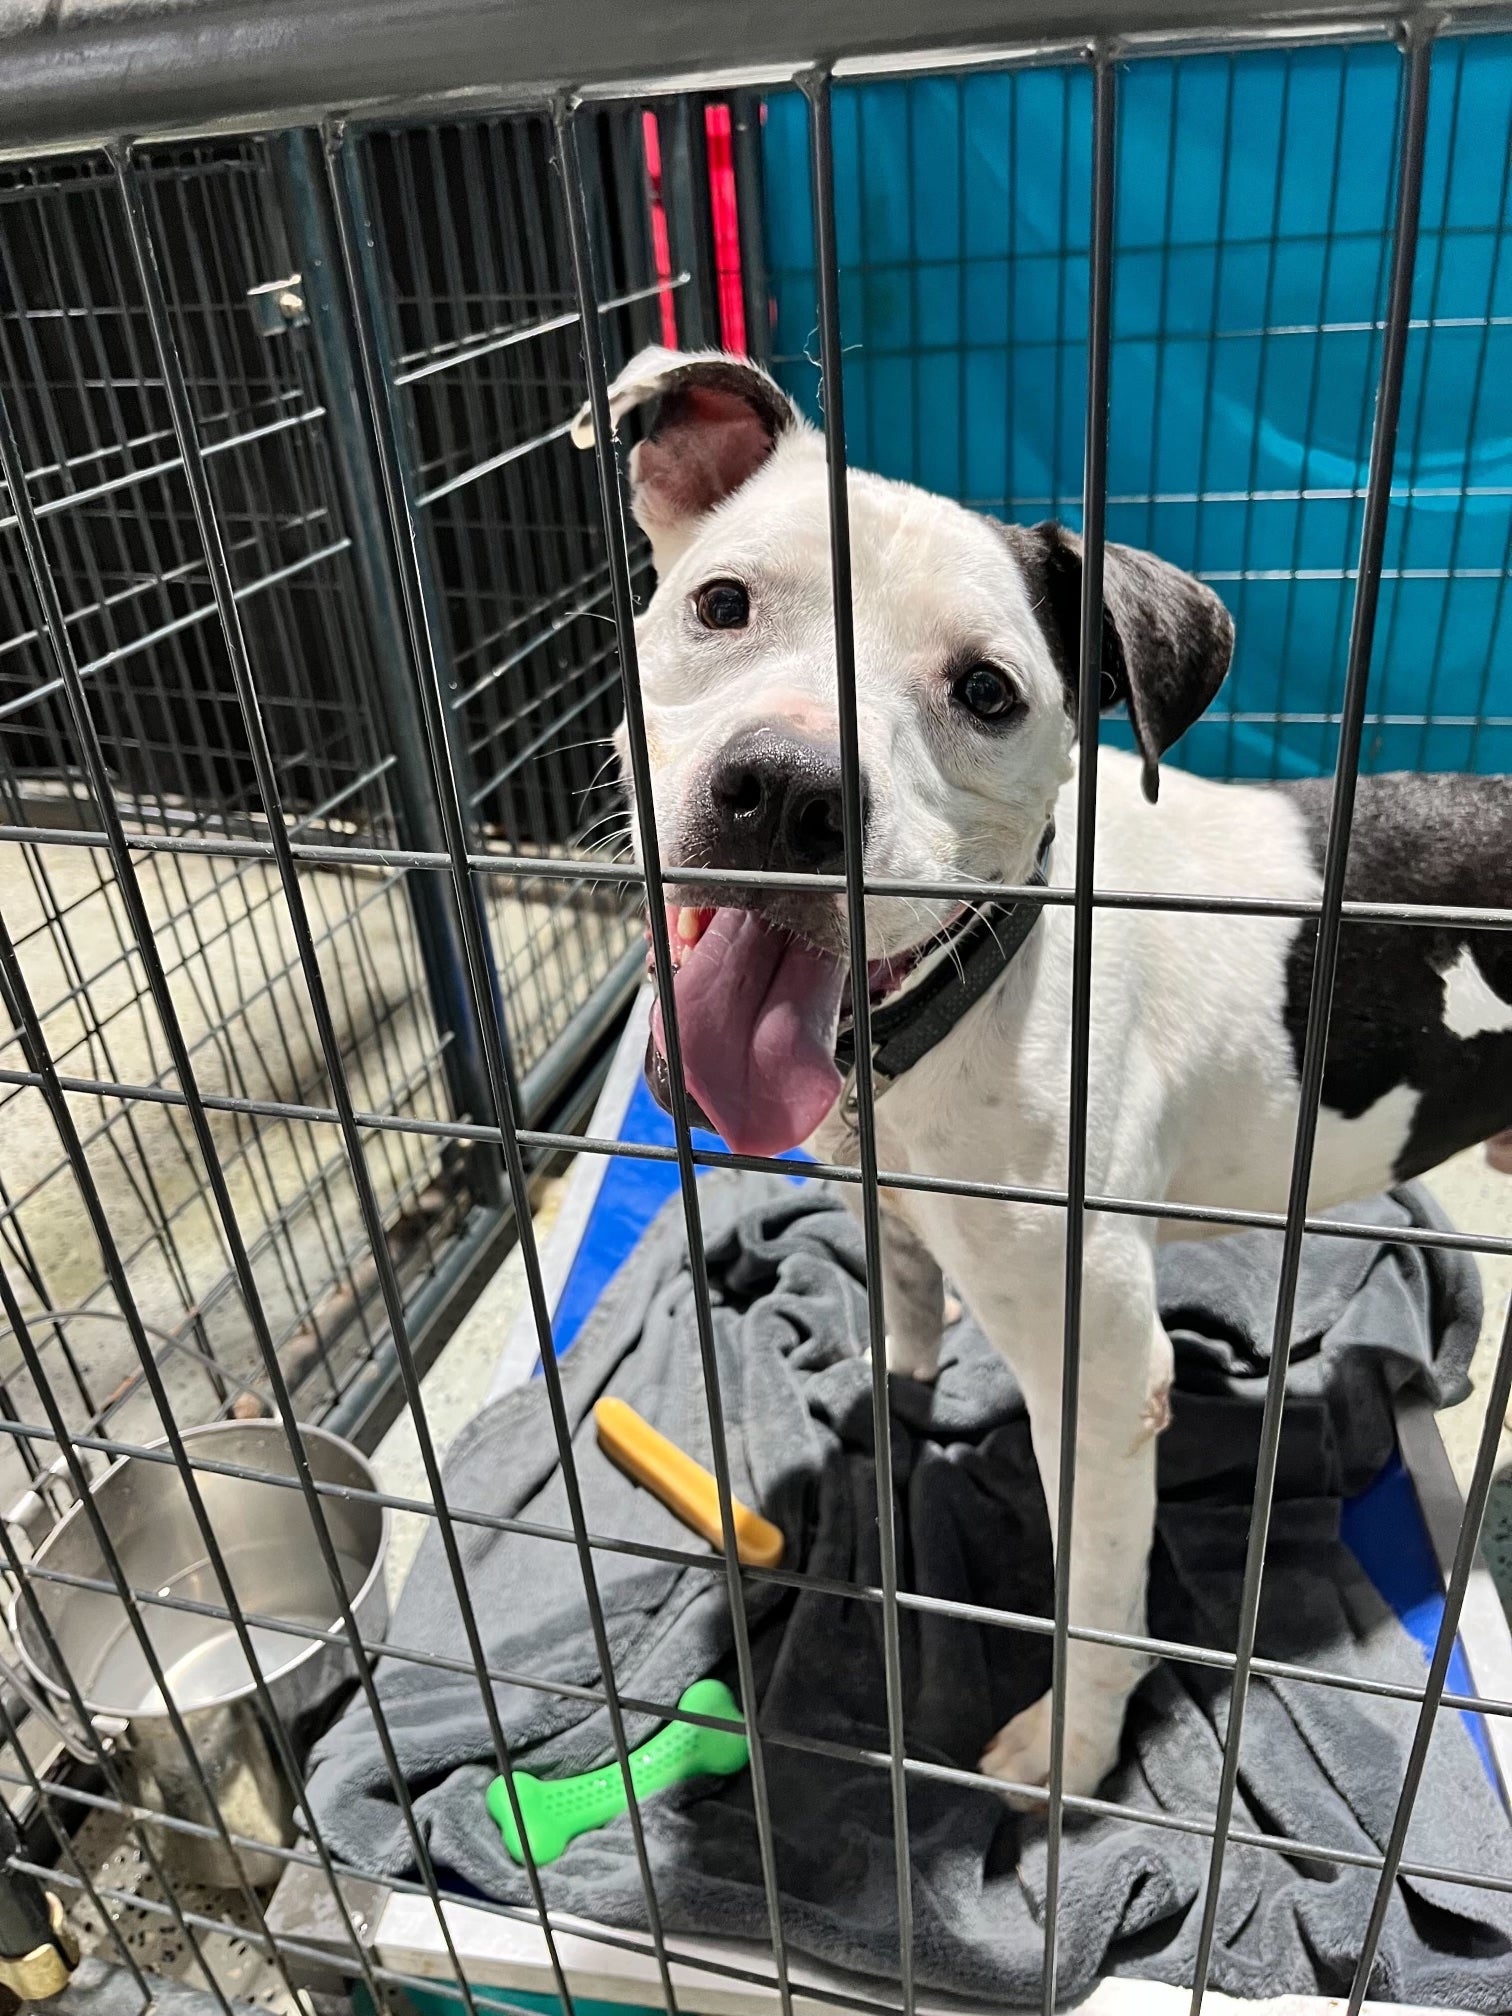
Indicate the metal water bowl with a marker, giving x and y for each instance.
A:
(266, 1534)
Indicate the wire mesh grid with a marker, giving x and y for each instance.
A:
(1252, 240)
(439, 386)
(479, 336)
(115, 517)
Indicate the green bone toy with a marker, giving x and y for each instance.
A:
(557, 1810)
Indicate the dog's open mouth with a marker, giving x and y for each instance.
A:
(758, 1011)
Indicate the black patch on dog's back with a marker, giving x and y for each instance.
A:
(1414, 839)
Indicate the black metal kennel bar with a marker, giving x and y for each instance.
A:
(1466, 1552)
(56, 630)
(1017, 1620)
(11, 1734)
(862, 1092)
(578, 978)
(922, 1769)
(205, 65)
(344, 176)
(192, 463)
(185, 428)
(606, 461)
(1230, 1217)
(565, 868)
(15, 989)
(1412, 137)
(1089, 678)
(320, 271)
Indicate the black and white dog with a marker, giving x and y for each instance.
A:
(966, 656)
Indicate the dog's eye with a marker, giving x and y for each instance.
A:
(986, 692)
(723, 605)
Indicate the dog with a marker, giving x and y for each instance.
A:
(966, 653)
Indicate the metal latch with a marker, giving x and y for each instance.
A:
(279, 305)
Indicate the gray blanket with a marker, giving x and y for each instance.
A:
(1320, 1765)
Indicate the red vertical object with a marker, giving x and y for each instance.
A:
(661, 249)
(726, 221)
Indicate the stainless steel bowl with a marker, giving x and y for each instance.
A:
(274, 1561)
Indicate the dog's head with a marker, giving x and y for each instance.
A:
(967, 644)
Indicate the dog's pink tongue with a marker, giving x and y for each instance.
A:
(758, 1012)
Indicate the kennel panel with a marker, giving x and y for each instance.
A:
(106, 481)
(454, 379)
(269, 367)
(471, 304)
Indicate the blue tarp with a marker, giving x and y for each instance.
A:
(1255, 197)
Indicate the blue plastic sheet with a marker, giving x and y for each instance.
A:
(1254, 208)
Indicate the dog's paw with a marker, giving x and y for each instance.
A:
(1019, 1754)
(907, 1358)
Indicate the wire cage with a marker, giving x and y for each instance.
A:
(477, 343)
(316, 917)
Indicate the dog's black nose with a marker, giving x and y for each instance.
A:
(776, 803)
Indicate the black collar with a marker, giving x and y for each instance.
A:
(976, 950)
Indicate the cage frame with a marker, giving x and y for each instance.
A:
(1053, 33)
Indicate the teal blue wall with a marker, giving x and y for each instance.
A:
(1254, 203)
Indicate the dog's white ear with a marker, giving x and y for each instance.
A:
(716, 420)
(1167, 639)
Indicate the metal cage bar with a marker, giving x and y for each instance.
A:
(487, 1008)
(65, 87)
(1213, 1657)
(68, 267)
(564, 868)
(921, 1768)
(859, 1098)
(18, 1001)
(571, 974)
(209, 528)
(612, 506)
(107, 1766)
(10, 1735)
(1466, 1549)
(1231, 1217)
(88, 741)
(1413, 131)
(1089, 696)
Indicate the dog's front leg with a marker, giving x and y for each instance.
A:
(913, 1292)
(1124, 1403)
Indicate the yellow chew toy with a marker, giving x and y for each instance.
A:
(684, 1487)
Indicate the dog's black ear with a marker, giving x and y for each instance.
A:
(715, 419)
(1166, 644)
